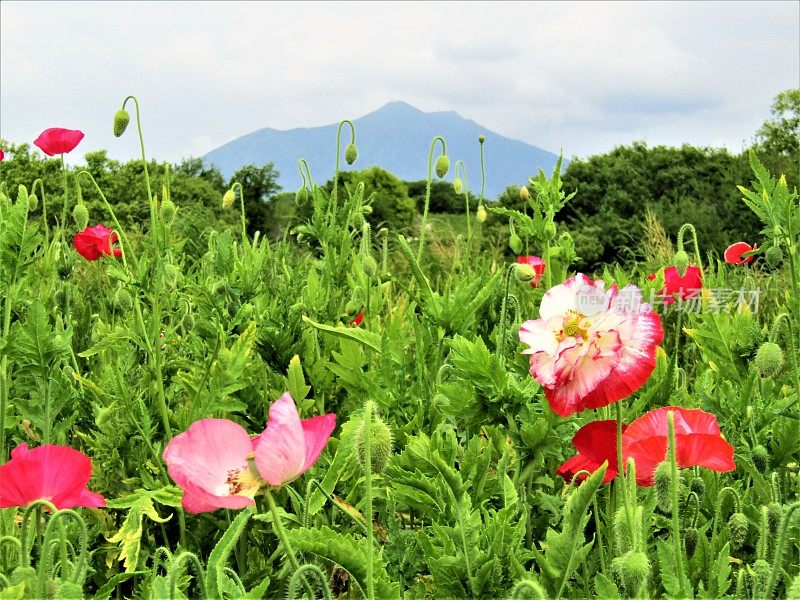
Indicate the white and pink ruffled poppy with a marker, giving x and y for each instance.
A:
(218, 465)
(591, 346)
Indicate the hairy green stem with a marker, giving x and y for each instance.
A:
(619, 483)
(241, 199)
(368, 489)
(502, 334)
(676, 522)
(335, 192)
(424, 223)
(776, 563)
(693, 232)
(277, 526)
(144, 159)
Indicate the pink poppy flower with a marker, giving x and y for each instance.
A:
(733, 253)
(94, 242)
(698, 442)
(591, 346)
(685, 287)
(58, 474)
(538, 265)
(218, 465)
(289, 447)
(58, 140)
(595, 443)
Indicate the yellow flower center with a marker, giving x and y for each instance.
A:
(243, 482)
(575, 325)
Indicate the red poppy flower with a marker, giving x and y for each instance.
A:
(595, 443)
(538, 265)
(57, 140)
(733, 253)
(358, 320)
(57, 474)
(698, 442)
(94, 242)
(686, 287)
(2, 155)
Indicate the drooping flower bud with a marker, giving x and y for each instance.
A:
(690, 538)
(381, 442)
(632, 571)
(481, 214)
(525, 272)
(80, 214)
(350, 154)
(515, 243)
(774, 516)
(760, 457)
(550, 230)
(442, 166)
(123, 299)
(738, 525)
(524, 194)
(168, 210)
(121, 120)
(769, 359)
(301, 197)
(33, 202)
(663, 486)
(698, 486)
(774, 256)
(369, 265)
(681, 262)
(457, 185)
(481, 139)
(228, 198)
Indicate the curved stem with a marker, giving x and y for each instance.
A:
(621, 489)
(466, 195)
(693, 231)
(440, 139)
(241, 199)
(501, 339)
(277, 526)
(302, 164)
(776, 563)
(335, 193)
(144, 159)
(198, 571)
(676, 523)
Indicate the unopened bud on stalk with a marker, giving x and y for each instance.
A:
(457, 185)
(632, 571)
(515, 243)
(663, 484)
(690, 538)
(525, 272)
(622, 539)
(774, 256)
(481, 139)
(381, 442)
(80, 214)
(123, 299)
(228, 198)
(369, 266)
(524, 194)
(33, 202)
(774, 516)
(442, 166)
(121, 120)
(769, 359)
(301, 197)
(681, 261)
(350, 154)
(761, 571)
(481, 214)
(760, 457)
(168, 210)
(794, 588)
(738, 525)
(550, 230)
(698, 486)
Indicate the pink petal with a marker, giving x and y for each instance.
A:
(281, 452)
(316, 430)
(561, 298)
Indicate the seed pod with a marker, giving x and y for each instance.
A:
(774, 256)
(681, 262)
(80, 214)
(738, 525)
(769, 359)
(442, 166)
(515, 243)
(121, 120)
(350, 154)
(381, 442)
(168, 210)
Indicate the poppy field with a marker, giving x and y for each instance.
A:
(344, 412)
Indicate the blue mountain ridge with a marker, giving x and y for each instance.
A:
(395, 137)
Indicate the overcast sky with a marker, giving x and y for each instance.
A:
(582, 77)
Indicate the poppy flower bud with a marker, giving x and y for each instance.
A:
(622, 540)
(747, 337)
(515, 243)
(761, 571)
(219, 287)
(550, 230)
(25, 576)
(350, 154)
(794, 588)
(369, 266)
(742, 593)
(442, 166)
(123, 299)
(698, 486)
(769, 359)
(68, 589)
(525, 272)
(774, 256)
(774, 516)
(690, 538)
(381, 442)
(121, 120)
(663, 484)
(681, 262)
(632, 571)
(738, 525)
(80, 214)
(168, 210)
(481, 139)
(228, 198)
(457, 185)
(301, 197)
(524, 194)
(760, 457)
(351, 308)
(481, 214)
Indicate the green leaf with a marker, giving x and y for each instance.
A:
(218, 558)
(296, 381)
(348, 553)
(109, 340)
(109, 586)
(356, 334)
(605, 588)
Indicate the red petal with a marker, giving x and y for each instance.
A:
(598, 440)
(58, 140)
(733, 253)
